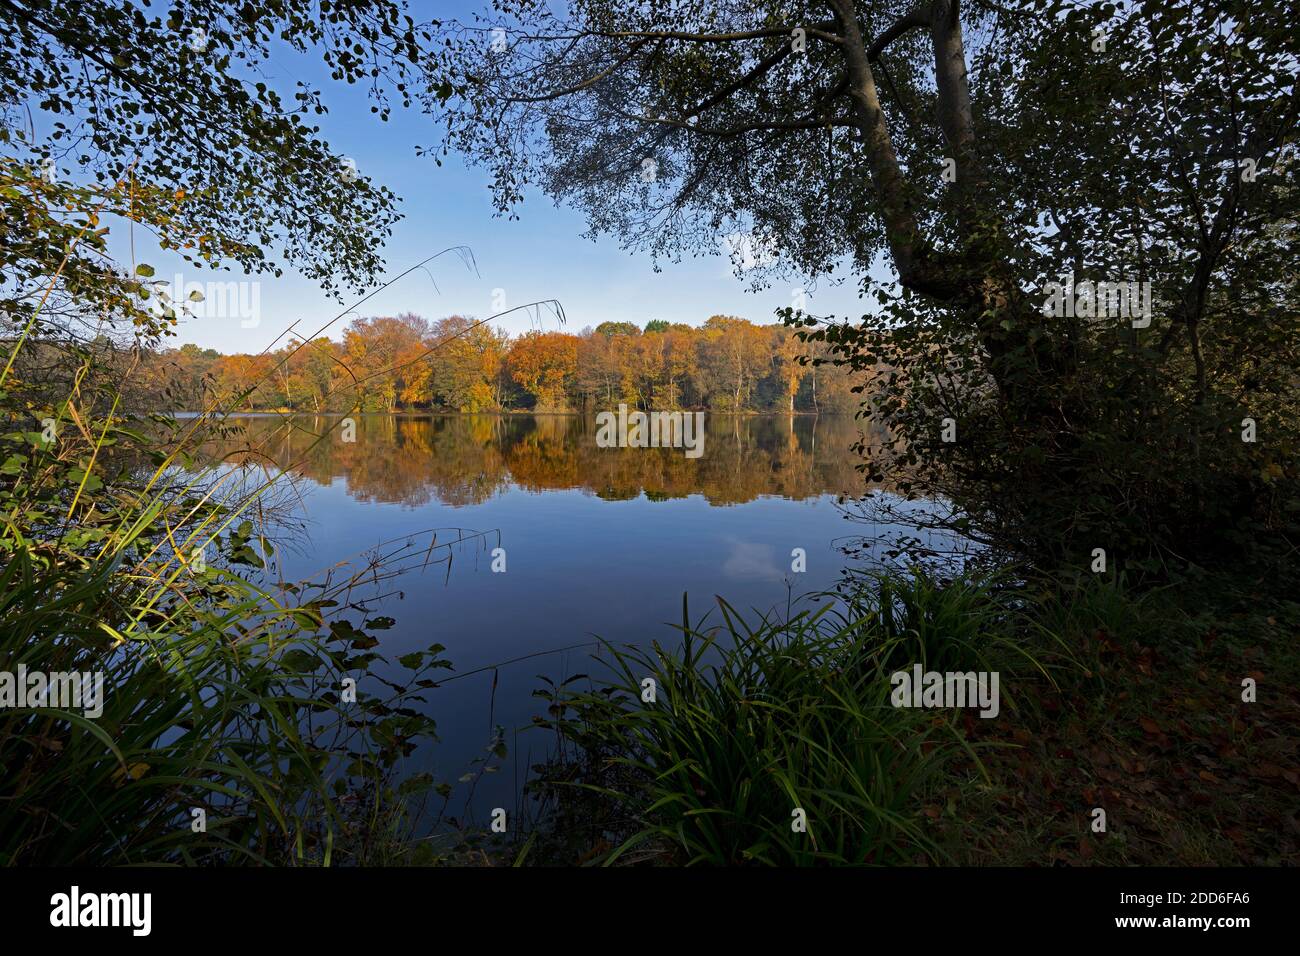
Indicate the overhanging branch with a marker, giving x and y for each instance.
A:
(922, 15)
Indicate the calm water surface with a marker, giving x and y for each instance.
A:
(597, 541)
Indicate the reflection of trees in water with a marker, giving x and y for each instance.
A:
(467, 459)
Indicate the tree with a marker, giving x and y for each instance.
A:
(491, 347)
(315, 366)
(732, 102)
(597, 372)
(167, 119)
(646, 359)
(786, 352)
(680, 363)
(382, 353)
(610, 329)
(544, 363)
(733, 356)
(932, 139)
(464, 369)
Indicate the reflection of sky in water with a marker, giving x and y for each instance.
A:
(751, 561)
(582, 560)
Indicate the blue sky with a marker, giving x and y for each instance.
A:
(540, 255)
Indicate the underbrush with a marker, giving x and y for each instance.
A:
(157, 704)
(222, 731)
(704, 751)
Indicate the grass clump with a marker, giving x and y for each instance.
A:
(750, 723)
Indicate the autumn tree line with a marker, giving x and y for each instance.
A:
(406, 362)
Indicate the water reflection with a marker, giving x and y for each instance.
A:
(600, 541)
(464, 460)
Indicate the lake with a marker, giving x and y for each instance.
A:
(593, 541)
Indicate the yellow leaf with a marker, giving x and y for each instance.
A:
(135, 772)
